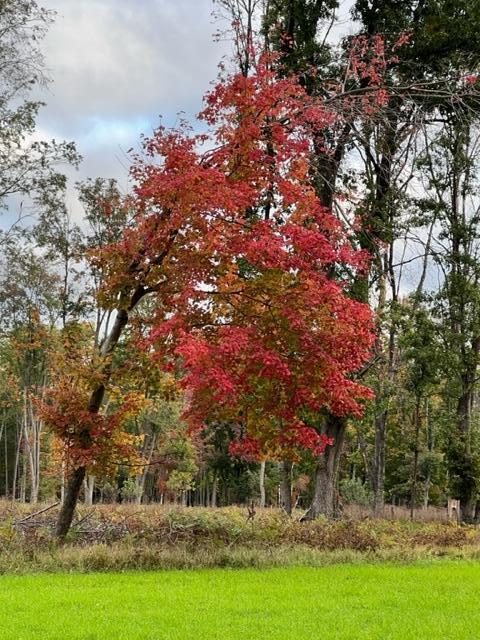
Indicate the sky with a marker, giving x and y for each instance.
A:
(118, 65)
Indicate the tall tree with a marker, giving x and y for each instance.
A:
(425, 75)
(208, 222)
(452, 192)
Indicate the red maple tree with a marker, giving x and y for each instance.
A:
(267, 336)
(248, 269)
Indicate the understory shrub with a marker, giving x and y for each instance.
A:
(128, 536)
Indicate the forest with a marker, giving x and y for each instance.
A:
(284, 308)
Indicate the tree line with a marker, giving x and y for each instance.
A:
(284, 309)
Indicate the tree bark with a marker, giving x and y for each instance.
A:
(262, 483)
(72, 491)
(5, 450)
(286, 486)
(379, 464)
(430, 447)
(89, 485)
(19, 436)
(325, 500)
(465, 464)
(413, 495)
(32, 432)
(213, 502)
(141, 478)
(383, 393)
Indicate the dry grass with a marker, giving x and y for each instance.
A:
(394, 512)
(124, 537)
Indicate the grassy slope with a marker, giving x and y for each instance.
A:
(430, 601)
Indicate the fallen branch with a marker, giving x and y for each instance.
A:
(37, 513)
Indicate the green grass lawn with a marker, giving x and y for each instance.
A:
(419, 602)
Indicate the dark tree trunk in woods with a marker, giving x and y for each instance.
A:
(67, 510)
(476, 518)
(379, 464)
(325, 500)
(326, 475)
(286, 486)
(467, 485)
(416, 451)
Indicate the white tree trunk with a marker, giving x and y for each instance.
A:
(214, 492)
(262, 483)
(89, 486)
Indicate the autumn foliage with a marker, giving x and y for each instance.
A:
(97, 440)
(249, 268)
(249, 275)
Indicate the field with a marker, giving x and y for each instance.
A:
(266, 577)
(428, 601)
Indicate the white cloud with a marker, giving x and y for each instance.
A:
(119, 57)
(117, 65)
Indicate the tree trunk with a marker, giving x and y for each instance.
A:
(464, 466)
(413, 495)
(19, 436)
(72, 490)
(325, 496)
(142, 478)
(476, 518)
(89, 485)
(262, 483)
(386, 375)
(5, 449)
(430, 447)
(32, 432)
(286, 486)
(23, 477)
(379, 464)
(323, 501)
(214, 492)
(67, 511)
(62, 483)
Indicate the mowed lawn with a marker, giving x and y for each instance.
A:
(419, 602)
